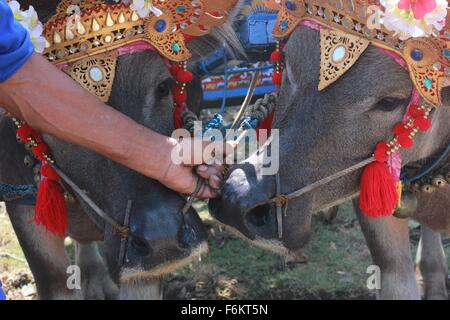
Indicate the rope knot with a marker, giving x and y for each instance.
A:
(282, 200)
(124, 232)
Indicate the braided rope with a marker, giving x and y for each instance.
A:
(10, 193)
(259, 111)
(189, 118)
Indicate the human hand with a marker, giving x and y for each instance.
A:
(183, 177)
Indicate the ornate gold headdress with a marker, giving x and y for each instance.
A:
(414, 32)
(354, 24)
(82, 39)
(82, 30)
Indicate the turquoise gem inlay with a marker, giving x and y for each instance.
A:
(176, 47)
(180, 9)
(428, 83)
(284, 24)
(446, 53)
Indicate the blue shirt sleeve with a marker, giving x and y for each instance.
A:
(2, 294)
(15, 44)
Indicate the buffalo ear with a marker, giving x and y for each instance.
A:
(445, 96)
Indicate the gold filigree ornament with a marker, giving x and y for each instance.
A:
(360, 22)
(85, 28)
(95, 74)
(339, 52)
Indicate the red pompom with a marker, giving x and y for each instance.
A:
(174, 68)
(39, 150)
(379, 196)
(276, 56)
(381, 152)
(51, 208)
(405, 141)
(400, 129)
(423, 124)
(184, 76)
(179, 97)
(25, 132)
(416, 112)
(277, 78)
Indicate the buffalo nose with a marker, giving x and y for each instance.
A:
(244, 205)
(141, 247)
(150, 250)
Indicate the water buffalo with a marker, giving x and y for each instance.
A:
(324, 132)
(162, 238)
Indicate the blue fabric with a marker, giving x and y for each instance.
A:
(15, 44)
(2, 295)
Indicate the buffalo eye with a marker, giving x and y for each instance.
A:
(390, 104)
(164, 88)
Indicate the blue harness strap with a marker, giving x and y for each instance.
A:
(21, 194)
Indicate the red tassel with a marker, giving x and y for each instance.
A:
(379, 196)
(51, 209)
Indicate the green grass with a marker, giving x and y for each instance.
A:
(336, 269)
(338, 260)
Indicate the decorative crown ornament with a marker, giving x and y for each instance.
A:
(416, 33)
(86, 27)
(84, 35)
(415, 30)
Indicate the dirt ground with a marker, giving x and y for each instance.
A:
(334, 266)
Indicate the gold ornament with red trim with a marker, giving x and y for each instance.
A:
(428, 58)
(349, 28)
(84, 27)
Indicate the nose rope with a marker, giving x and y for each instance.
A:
(193, 196)
(329, 179)
(124, 231)
(124, 237)
(282, 200)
